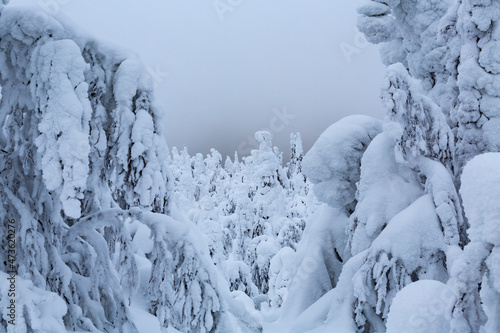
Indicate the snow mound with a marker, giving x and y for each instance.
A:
(333, 162)
(422, 307)
(37, 310)
(481, 194)
(385, 188)
(412, 234)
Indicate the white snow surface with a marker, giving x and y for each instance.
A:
(332, 164)
(411, 234)
(422, 307)
(314, 270)
(36, 309)
(481, 195)
(385, 188)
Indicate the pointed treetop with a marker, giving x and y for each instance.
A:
(264, 139)
(296, 145)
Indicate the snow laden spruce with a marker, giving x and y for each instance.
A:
(383, 226)
(403, 255)
(251, 212)
(84, 171)
(87, 174)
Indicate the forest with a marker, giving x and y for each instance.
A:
(384, 225)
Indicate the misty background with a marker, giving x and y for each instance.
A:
(225, 69)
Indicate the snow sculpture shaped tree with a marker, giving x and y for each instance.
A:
(82, 158)
(400, 193)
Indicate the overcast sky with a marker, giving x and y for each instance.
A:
(248, 65)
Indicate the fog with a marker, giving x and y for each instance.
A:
(227, 68)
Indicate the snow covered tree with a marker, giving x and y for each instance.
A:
(247, 211)
(47, 119)
(217, 175)
(82, 158)
(300, 200)
(296, 155)
(259, 253)
(404, 215)
(426, 143)
(182, 175)
(400, 197)
(188, 302)
(280, 275)
(200, 181)
(416, 145)
(377, 23)
(36, 315)
(450, 47)
(266, 176)
(206, 218)
(138, 144)
(408, 33)
(239, 277)
(476, 273)
(477, 113)
(332, 165)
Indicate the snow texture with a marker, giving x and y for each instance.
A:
(332, 164)
(422, 306)
(382, 226)
(85, 175)
(36, 309)
(480, 261)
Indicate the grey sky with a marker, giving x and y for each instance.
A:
(230, 73)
